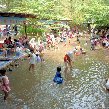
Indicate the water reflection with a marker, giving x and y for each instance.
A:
(82, 89)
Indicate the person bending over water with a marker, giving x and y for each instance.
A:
(68, 58)
(58, 78)
(4, 84)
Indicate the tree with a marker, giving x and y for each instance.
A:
(79, 11)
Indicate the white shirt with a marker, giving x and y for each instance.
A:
(107, 84)
(70, 54)
(18, 49)
(32, 42)
(33, 58)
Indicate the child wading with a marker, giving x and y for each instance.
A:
(32, 60)
(4, 83)
(58, 79)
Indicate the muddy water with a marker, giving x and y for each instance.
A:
(82, 89)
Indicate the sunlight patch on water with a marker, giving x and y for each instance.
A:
(84, 92)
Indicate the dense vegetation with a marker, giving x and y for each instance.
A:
(79, 11)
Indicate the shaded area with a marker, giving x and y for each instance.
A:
(13, 14)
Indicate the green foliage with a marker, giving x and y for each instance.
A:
(97, 12)
(79, 11)
(32, 31)
(44, 9)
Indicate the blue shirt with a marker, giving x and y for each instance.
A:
(58, 79)
(58, 74)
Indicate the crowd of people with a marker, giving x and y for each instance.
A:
(35, 50)
(63, 35)
(8, 30)
(99, 37)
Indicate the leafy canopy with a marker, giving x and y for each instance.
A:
(79, 11)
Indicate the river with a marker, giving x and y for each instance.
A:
(82, 89)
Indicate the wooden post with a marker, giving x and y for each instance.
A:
(25, 27)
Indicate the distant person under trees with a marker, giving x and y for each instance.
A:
(15, 29)
(7, 30)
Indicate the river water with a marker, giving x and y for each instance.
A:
(83, 88)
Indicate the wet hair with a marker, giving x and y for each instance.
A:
(58, 68)
(2, 71)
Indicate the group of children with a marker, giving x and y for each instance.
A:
(38, 57)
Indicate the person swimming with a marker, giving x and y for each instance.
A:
(58, 78)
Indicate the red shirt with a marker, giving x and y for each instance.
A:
(66, 58)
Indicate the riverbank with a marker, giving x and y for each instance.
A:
(99, 53)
